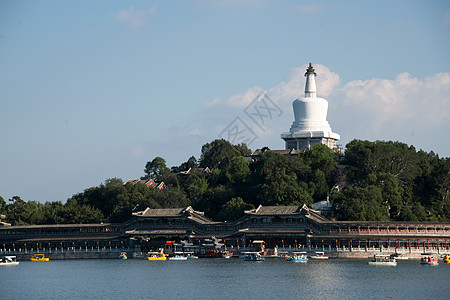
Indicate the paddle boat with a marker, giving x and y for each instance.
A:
(123, 255)
(178, 256)
(227, 254)
(39, 257)
(446, 259)
(8, 261)
(429, 260)
(298, 257)
(156, 256)
(253, 256)
(319, 255)
(383, 260)
(190, 255)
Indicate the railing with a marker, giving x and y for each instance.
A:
(385, 232)
(299, 226)
(9, 251)
(398, 250)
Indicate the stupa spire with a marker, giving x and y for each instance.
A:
(310, 86)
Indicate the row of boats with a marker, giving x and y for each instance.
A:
(176, 256)
(391, 260)
(294, 257)
(12, 260)
(378, 260)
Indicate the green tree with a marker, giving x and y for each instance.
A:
(356, 203)
(237, 170)
(191, 163)
(156, 169)
(197, 189)
(217, 154)
(234, 209)
(321, 158)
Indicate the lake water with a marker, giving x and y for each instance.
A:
(223, 279)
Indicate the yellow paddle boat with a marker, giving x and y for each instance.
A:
(39, 257)
(447, 259)
(156, 256)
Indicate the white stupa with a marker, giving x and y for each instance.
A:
(310, 124)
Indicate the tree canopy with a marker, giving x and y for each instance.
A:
(373, 181)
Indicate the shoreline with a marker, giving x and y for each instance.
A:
(114, 254)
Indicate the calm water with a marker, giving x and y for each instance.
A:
(222, 279)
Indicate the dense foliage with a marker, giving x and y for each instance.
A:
(19, 212)
(373, 181)
(391, 181)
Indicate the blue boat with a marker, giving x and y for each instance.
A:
(253, 256)
(298, 257)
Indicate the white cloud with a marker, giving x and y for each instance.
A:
(285, 92)
(408, 109)
(135, 18)
(406, 101)
(294, 86)
(213, 102)
(196, 132)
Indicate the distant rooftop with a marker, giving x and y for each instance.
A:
(287, 210)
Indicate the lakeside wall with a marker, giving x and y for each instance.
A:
(68, 255)
(333, 253)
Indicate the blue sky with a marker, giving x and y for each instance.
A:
(91, 90)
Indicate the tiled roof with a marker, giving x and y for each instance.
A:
(161, 212)
(273, 210)
(201, 219)
(196, 216)
(156, 232)
(287, 210)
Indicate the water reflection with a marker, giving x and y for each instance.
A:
(222, 279)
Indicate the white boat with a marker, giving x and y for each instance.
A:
(399, 256)
(319, 255)
(383, 260)
(8, 261)
(178, 256)
(298, 257)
